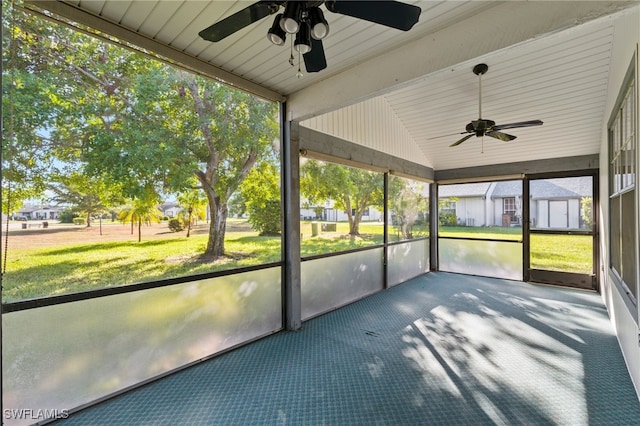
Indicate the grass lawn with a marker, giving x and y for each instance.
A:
(491, 233)
(79, 267)
(564, 253)
(68, 259)
(553, 252)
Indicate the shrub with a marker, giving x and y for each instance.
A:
(79, 221)
(447, 218)
(265, 217)
(176, 225)
(66, 216)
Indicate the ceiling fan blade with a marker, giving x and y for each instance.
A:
(502, 136)
(446, 136)
(239, 20)
(519, 124)
(315, 60)
(393, 14)
(461, 140)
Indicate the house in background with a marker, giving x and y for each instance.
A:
(506, 198)
(330, 213)
(470, 202)
(170, 209)
(41, 212)
(555, 203)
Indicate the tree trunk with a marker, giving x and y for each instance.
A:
(217, 229)
(354, 223)
(139, 229)
(88, 219)
(189, 224)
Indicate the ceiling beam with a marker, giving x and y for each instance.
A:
(170, 54)
(500, 27)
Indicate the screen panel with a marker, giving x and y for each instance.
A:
(330, 282)
(407, 260)
(62, 356)
(498, 259)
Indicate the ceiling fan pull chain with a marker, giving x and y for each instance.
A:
(480, 97)
(299, 73)
(291, 59)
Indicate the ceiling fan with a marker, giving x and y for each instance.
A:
(305, 20)
(482, 127)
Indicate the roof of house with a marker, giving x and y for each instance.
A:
(574, 187)
(509, 188)
(30, 208)
(464, 190)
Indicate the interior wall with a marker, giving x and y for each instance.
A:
(373, 124)
(625, 44)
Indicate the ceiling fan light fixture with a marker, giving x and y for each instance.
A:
(303, 39)
(290, 22)
(319, 25)
(276, 34)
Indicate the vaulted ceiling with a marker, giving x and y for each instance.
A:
(547, 61)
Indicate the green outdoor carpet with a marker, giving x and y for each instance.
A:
(442, 349)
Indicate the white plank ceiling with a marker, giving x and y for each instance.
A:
(559, 77)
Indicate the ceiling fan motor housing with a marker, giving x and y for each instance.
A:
(480, 126)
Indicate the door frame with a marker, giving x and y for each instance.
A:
(568, 279)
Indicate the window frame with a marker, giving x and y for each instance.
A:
(622, 160)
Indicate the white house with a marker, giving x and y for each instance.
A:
(470, 202)
(41, 212)
(554, 203)
(170, 209)
(332, 214)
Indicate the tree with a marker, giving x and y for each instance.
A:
(141, 210)
(227, 131)
(193, 203)
(84, 194)
(26, 111)
(586, 211)
(261, 192)
(115, 113)
(351, 189)
(406, 202)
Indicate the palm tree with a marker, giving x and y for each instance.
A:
(193, 203)
(141, 210)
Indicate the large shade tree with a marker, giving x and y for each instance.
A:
(351, 189)
(26, 111)
(116, 113)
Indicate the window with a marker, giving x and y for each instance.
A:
(346, 204)
(509, 208)
(480, 210)
(92, 153)
(408, 209)
(622, 188)
(476, 237)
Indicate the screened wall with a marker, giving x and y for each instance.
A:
(382, 242)
(145, 217)
(480, 229)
